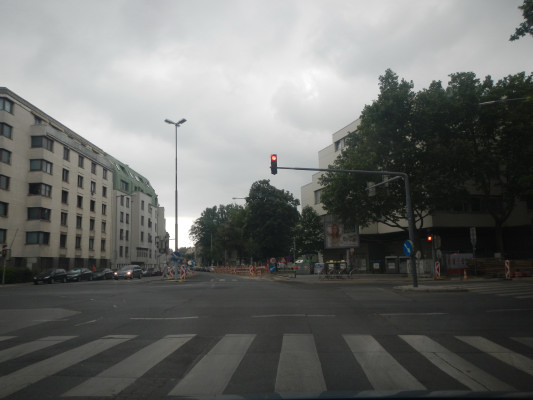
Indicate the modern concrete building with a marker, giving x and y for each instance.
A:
(458, 232)
(61, 197)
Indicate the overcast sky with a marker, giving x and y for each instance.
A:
(251, 77)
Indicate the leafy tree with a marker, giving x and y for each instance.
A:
(449, 141)
(271, 216)
(309, 232)
(525, 27)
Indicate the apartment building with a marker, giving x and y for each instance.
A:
(461, 233)
(60, 196)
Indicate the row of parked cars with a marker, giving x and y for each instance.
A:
(85, 274)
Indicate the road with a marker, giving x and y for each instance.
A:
(216, 335)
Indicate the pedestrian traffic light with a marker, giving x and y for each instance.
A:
(4, 252)
(274, 164)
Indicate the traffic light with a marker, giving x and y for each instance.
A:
(274, 164)
(5, 252)
(430, 238)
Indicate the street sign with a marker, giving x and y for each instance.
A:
(408, 247)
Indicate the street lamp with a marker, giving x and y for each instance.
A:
(176, 124)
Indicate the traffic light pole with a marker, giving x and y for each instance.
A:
(408, 203)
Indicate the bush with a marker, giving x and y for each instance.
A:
(17, 275)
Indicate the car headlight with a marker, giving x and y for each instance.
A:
(128, 273)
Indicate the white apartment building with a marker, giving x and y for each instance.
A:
(60, 196)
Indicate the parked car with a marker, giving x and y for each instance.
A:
(104, 273)
(128, 272)
(51, 276)
(79, 274)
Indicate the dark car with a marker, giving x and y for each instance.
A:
(128, 272)
(79, 274)
(51, 276)
(104, 273)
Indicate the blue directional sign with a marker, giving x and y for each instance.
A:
(176, 256)
(408, 247)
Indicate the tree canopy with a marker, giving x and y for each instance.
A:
(526, 27)
(472, 136)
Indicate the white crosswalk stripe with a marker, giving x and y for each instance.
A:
(219, 365)
(299, 367)
(499, 352)
(518, 290)
(115, 379)
(469, 375)
(381, 368)
(17, 380)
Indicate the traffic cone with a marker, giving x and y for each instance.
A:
(465, 277)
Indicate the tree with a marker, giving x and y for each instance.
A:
(525, 27)
(447, 141)
(389, 138)
(271, 216)
(219, 230)
(309, 232)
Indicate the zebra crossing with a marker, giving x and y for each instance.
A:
(518, 290)
(300, 364)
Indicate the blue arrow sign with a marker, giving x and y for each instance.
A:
(408, 247)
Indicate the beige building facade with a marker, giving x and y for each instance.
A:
(60, 197)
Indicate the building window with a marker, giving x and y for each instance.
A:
(41, 189)
(93, 206)
(93, 187)
(66, 154)
(340, 144)
(6, 105)
(102, 245)
(127, 202)
(93, 167)
(39, 213)
(127, 235)
(142, 205)
(121, 251)
(42, 141)
(80, 181)
(37, 120)
(4, 182)
(64, 197)
(142, 220)
(91, 243)
(126, 251)
(80, 202)
(37, 237)
(104, 173)
(3, 235)
(80, 160)
(142, 237)
(64, 218)
(91, 224)
(65, 175)
(104, 209)
(318, 195)
(79, 220)
(41, 165)
(124, 186)
(5, 156)
(6, 130)
(127, 218)
(3, 209)
(104, 226)
(78, 242)
(121, 234)
(104, 191)
(63, 241)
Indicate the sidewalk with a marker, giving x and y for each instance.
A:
(402, 281)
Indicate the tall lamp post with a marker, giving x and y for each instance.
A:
(176, 125)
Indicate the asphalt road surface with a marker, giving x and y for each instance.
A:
(236, 337)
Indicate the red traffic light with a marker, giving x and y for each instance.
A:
(430, 238)
(274, 164)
